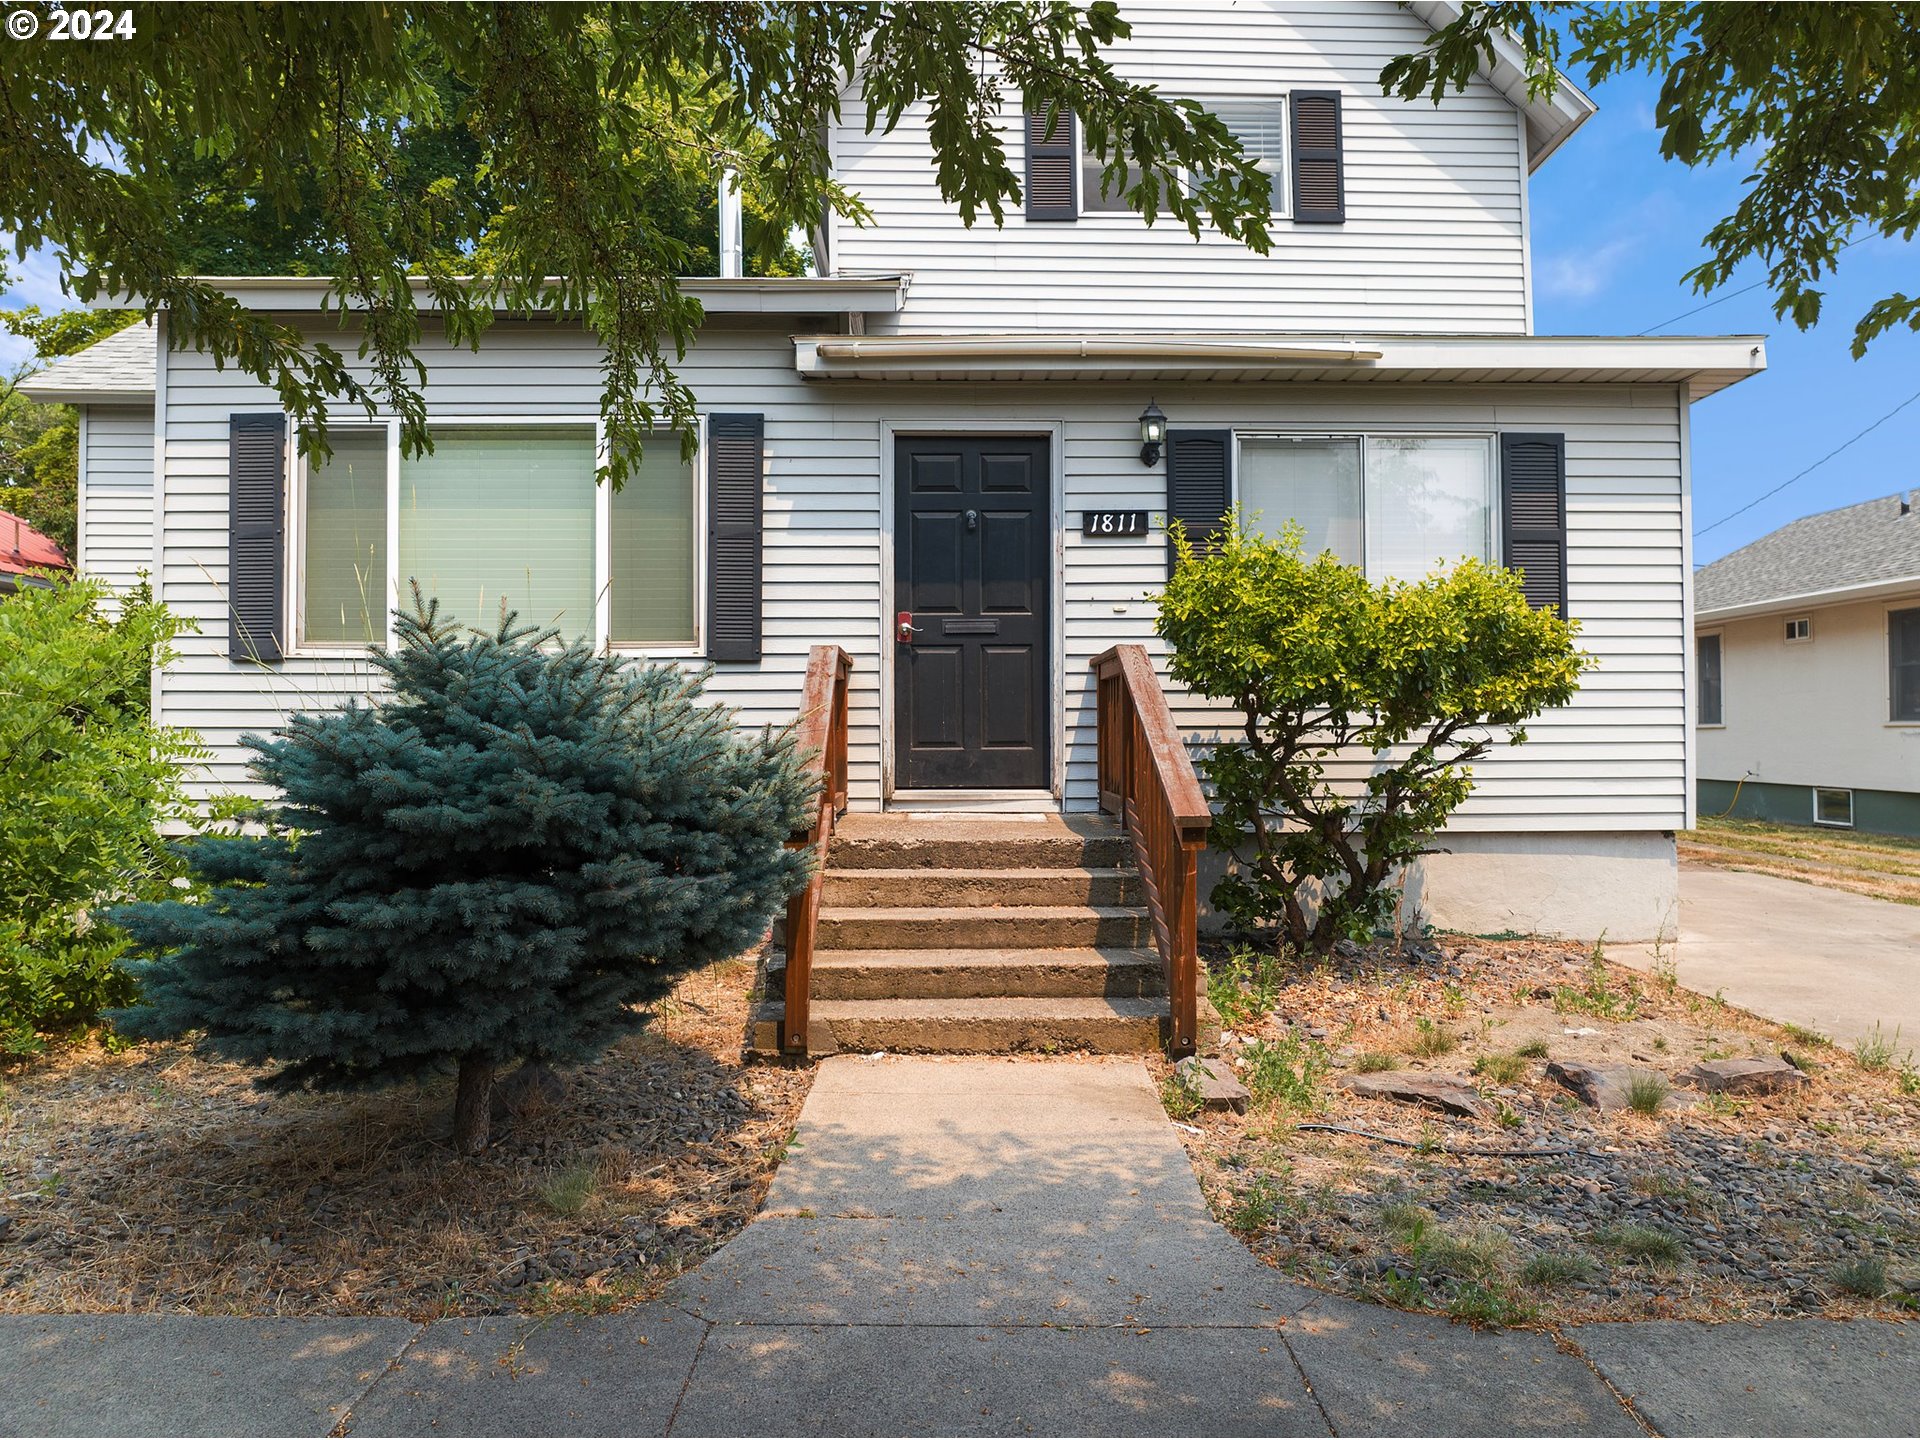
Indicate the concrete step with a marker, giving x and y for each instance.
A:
(1073, 885)
(971, 927)
(975, 974)
(911, 842)
(983, 1026)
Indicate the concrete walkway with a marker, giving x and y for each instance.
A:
(1833, 961)
(961, 1247)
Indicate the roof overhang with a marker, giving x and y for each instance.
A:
(779, 295)
(60, 394)
(1550, 118)
(1703, 365)
(1810, 600)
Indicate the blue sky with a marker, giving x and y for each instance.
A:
(1615, 227)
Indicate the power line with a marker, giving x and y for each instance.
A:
(1857, 435)
(1735, 294)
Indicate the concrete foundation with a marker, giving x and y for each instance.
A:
(1624, 885)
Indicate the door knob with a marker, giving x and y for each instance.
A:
(903, 627)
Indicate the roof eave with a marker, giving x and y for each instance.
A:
(1551, 119)
(1810, 600)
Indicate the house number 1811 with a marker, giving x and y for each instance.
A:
(1113, 522)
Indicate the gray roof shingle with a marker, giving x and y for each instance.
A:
(1865, 544)
(118, 368)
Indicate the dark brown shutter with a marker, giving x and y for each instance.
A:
(1319, 187)
(1199, 484)
(1052, 158)
(736, 469)
(1533, 513)
(256, 535)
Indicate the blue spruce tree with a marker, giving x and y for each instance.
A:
(505, 858)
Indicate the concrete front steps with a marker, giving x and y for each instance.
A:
(994, 935)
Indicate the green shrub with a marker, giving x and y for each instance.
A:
(1647, 1092)
(1661, 1249)
(88, 785)
(1501, 1069)
(1877, 1051)
(1244, 984)
(1550, 1268)
(1417, 679)
(1372, 1062)
(510, 854)
(1431, 1041)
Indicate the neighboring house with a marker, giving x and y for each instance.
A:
(26, 555)
(1808, 643)
(111, 384)
(945, 426)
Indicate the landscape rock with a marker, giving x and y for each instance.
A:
(1452, 1093)
(1217, 1086)
(1604, 1087)
(1754, 1075)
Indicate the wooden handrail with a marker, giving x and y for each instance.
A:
(1147, 779)
(820, 731)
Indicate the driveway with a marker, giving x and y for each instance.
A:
(1832, 961)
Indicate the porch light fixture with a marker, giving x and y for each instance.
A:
(1153, 434)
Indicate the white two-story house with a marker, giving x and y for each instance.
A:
(931, 454)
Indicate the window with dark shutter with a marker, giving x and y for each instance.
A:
(1706, 651)
(1052, 157)
(1199, 484)
(1533, 484)
(1319, 186)
(736, 471)
(256, 536)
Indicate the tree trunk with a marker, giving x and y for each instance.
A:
(472, 1104)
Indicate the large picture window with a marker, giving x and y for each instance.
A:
(498, 514)
(1401, 506)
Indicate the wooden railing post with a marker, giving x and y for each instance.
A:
(820, 732)
(1147, 779)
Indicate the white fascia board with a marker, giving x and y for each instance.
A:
(782, 295)
(1704, 364)
(1809, 600)
(1550, 119)
(70, 395)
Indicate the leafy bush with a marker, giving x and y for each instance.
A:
(499, 860)
(88, 782)
(1287, 1072)
(1414, 679)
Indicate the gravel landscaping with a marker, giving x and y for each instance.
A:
(147, 1179)
(1699, 1188)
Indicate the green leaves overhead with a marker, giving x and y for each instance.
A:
(482, 159)
(1822, 101)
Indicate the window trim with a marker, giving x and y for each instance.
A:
(1490, 438)
(1793, 639)
(1816, 791)
(302, 648)
(1719, 637)
(1902, 607)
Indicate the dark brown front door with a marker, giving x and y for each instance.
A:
(972, 537)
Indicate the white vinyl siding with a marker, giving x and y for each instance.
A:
(1433, 241)
(116, 494)
(1613, 760)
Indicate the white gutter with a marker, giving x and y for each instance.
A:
(746, 295)
(1085, 347)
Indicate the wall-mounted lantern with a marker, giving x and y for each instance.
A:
(1153, 434)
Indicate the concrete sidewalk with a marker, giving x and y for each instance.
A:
(966, 1247)
(1831, 960)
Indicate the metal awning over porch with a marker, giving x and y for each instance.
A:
(1705, 365)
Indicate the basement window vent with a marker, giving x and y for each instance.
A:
(1800, 628)
(1833, 807)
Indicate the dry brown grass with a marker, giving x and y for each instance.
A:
(1884, 866)
(149, 1179)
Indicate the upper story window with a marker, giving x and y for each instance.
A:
(1903, 657)
(496, 513)
(1261, 129)
(1401, 506)
(1707, 654)
(1799, 629)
